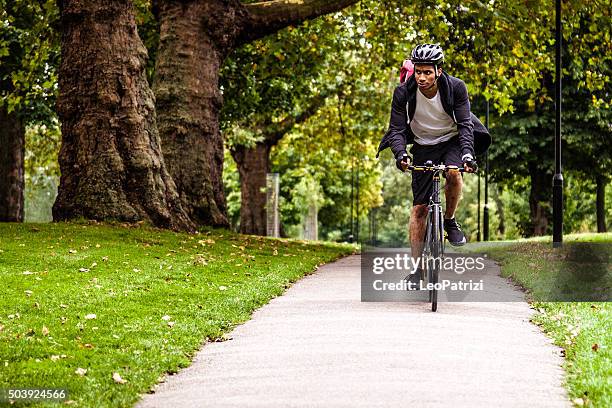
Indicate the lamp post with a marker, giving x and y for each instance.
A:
(485, 216)
(558, 177)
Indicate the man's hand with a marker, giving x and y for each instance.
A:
(469, 164)
(402, 161)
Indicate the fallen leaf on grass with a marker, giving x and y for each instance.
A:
(83, 270)
(45, 331)
(117, 378)
(28, 273)
(1, 327)
(80, 371)
(166, 317)
(170, 324)
(90, 316)
(105, 258)
(222, 287)
(72, 251)
(595, 347)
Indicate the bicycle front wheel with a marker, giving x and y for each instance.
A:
(436, 256)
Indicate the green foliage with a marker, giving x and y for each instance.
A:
(29, 58)
(231, 183)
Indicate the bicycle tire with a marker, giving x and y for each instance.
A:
(436, 253)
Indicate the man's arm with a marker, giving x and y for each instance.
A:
(398, 126)
(464, 121)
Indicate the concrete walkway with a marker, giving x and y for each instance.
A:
(320, 346)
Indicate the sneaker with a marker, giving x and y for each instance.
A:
(454, 234)
(415, 278)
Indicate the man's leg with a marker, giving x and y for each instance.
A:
(417, 230)
(453, 188)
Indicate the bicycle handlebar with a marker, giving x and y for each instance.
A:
(436, 167)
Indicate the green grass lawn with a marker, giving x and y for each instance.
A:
(582, 329)
(83, 303)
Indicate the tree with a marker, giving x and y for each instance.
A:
(269, 86)
(28, 53)
(111, 161)
(195, 38)
(525, 138)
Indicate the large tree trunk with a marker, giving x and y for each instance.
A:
(253, 165)
(110, 159)
(539, 200)
(188, 102)
(601, 203)
(12, 150)
(195, 38)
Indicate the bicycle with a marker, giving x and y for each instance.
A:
(433, 249)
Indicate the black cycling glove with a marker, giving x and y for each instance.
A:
(472, 163)
(402, 156)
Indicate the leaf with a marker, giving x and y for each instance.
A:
(83, 270)
(80, 371)
(117, 378)
(45, 331)
(166, 317)
(72, 251)
(28, 293)
(595, 347)
(90, 316)
(222, 287)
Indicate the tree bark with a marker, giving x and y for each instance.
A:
(111, 162)
(253, 165)
(539, 200)
(12, 181)
(189, 100)
(195, 38)
(601, 203)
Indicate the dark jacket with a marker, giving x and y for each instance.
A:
(473, 136)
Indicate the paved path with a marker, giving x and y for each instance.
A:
(320, 346)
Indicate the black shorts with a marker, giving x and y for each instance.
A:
(448, 152)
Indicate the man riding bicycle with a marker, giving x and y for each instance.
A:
(431, 111)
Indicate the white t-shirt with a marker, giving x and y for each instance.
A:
(431, 124)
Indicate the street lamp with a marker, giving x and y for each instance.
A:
(558, 177)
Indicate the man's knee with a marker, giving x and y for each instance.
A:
(454, 180)
(419, 211)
